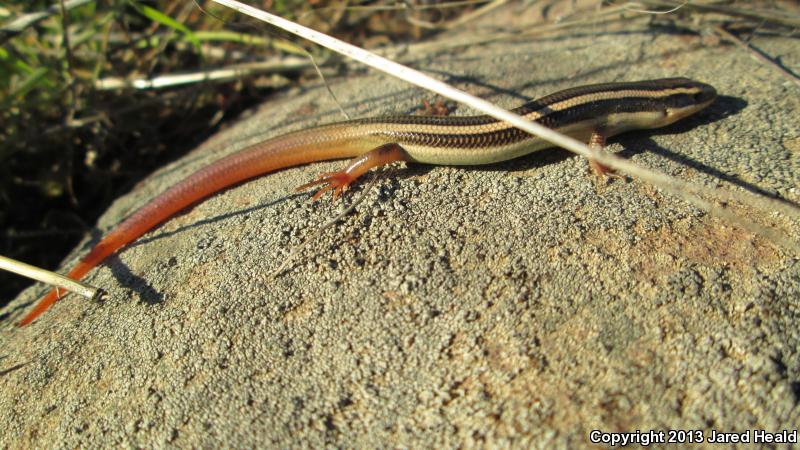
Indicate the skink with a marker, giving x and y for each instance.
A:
(590, 113)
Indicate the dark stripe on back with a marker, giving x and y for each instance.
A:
(556, 119)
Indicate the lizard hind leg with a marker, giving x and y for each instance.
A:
(339, 181)
(597, 142)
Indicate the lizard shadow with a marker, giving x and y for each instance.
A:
(217, 218)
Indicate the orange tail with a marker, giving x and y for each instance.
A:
(278, 153)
